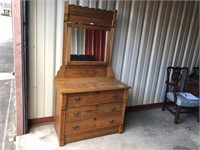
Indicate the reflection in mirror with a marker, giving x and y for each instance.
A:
(87, 44)
(77, 41)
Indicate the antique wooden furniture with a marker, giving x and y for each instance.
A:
(193, 86)
(176, 86)
(193, 82)
(89, 101)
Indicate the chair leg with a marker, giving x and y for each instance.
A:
(164, 104)
(177, 114)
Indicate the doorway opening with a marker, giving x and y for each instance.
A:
(7, 80)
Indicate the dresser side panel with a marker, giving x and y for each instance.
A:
(59, 117)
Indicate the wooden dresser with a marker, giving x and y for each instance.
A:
(89, 101)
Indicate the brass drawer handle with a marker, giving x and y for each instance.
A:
(78, 99)
(114, 95)
(111, 121)
(113, 108)
(76, 127)
(76, 114)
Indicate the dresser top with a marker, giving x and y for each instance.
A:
(79, 85)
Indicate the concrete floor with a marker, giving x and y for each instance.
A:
(7, 84)
(147, 130)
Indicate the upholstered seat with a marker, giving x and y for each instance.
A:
(183, 100)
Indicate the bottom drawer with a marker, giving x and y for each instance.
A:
(92, 133)
(77, 127)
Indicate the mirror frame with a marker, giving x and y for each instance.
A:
(88, 18)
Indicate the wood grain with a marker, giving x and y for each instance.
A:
(91, 124)
(81, 85)
(92, 133)
(64, 56)
(89, 101)
(85, 112)
(85, 71)
(89, 16)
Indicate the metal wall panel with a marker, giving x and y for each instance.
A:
(149, 36)
(41, 51)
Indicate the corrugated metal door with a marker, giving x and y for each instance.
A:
(149, 36)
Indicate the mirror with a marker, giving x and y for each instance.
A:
(77, 41)
(87, 44)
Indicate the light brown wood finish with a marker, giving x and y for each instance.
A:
(85, 111)
(59, 117)
(110, 45)
(81, 85)
(81, 113)
(90, 102)
(89, 16)
(83, 26)
(85, 71)
(92, 133)
(64, 56)
(78, 127)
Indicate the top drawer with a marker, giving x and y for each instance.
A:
(81, 99)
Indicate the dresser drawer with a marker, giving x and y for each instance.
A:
(110, 108)
(112, 96)
(79, 113)
(92, 133)
(89, 124)
(81, 99)
(85, 112)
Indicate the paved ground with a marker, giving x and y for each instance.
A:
(144, 130)
(6, 46)
(7, 91)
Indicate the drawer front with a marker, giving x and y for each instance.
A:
(108, 121)
(79, 113)
(86, 112)
(89, 124)
(92, 133)
(78, 126)
(76, 100)
(111, 95)
(110, 108)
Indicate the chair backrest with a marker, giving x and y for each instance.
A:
(178, 76)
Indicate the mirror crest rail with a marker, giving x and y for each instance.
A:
(97, 27)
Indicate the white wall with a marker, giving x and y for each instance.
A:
(41, 55)
(149, 37)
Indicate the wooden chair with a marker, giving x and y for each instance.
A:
(176, 85)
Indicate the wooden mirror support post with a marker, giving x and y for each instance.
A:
(89, 101)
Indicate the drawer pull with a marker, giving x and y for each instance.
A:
(113, 108)
(78, 99)
(76, 127)
(76, 114)
(111, 121)
(114, 95)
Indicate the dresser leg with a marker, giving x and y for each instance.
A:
(121, 129)
(61, 142)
